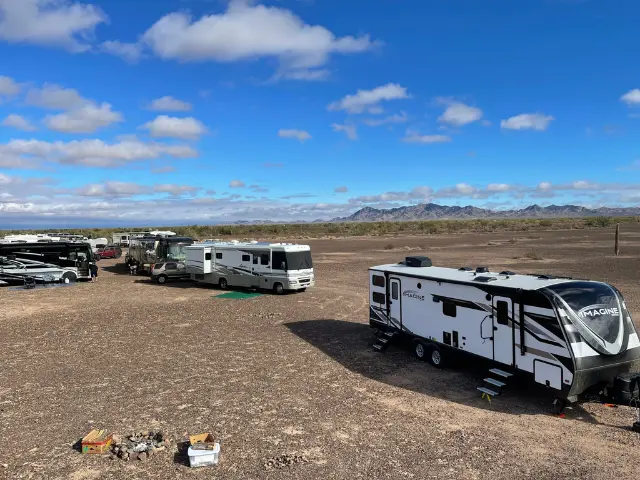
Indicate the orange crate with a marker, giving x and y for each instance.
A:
(97, 441)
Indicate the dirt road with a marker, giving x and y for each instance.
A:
(294, 374)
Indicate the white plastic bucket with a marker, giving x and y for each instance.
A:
(202, 458)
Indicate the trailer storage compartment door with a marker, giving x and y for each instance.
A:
(547, 374)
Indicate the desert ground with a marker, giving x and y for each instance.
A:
(294, 375)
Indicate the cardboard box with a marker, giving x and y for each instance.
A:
(202, 441)
(97, 441)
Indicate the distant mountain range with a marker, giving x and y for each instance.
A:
(432, 211)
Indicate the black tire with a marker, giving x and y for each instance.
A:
(302, 290)
(162, 279)
(223, 284)
(278, 288)
(420, 350)
(435, 356)
(558, 405)
(69, 277)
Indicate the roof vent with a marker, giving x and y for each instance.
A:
(485, 279)
(482, 270)
(465, 269)
(507, 272)
(547, 277)
(418, 262)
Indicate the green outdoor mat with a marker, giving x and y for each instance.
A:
(238, 295)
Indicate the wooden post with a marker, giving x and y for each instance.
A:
(617, 239)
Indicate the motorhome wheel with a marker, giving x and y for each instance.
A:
(162, 279)
(278, 288)
(223, 283)
(420, 350)
(435, 357)
(69, 277)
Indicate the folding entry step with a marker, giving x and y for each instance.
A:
(500, 373)
(383, 341)
(492, 387)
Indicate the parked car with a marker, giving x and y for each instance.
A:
(162, 272)
(110, 251)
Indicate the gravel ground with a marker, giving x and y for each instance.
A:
(290, 385)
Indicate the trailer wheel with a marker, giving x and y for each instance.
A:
(420, 350)
(435, 356)
(278, 288)
(162, 279)
(223, 283)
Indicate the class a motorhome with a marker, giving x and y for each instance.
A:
(269, 266)
(574, 336)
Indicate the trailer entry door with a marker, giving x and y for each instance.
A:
(503, 330)
(395, 307)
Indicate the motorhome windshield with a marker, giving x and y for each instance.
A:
(174, 250)
(596, 307)
(298, 260)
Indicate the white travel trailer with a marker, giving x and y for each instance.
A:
(574, 336)
(270, 266)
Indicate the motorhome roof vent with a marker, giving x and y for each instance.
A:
(418, 262)
(547, 277)
(465, 269)
(507, 272)
(482, 270)
(485, 279)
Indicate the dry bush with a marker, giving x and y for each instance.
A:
(533, 255)
(389, 246)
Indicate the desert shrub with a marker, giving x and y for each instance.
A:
(533, 255)
(389, 246)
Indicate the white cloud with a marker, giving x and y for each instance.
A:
(111, 189)
(8, 87)
(130, 52)
(173, 189)
(632, 97)
(236, 184)
(545, 186)
(300, 135)
(498, 187)
(245, 32)
(55, 97)
(527, 121)
(165, 169)
(365, 99)
(186, 128)
(391, 119)
(86, 119)
(350, 130)
(459, 114)
(93, 153)
(375, 110)
(49, 23)
(18, 122)
(170, 104)
(342, 189)
(414, 137)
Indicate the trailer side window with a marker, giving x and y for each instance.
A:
(378, 281)
(219, 255)
(379, 298)
(246, 258)
(207, 256)
(449, 309)
(394, 290)
(264, 259)
(502, 308)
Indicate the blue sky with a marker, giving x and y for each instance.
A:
(202, 111)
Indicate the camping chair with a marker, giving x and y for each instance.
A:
(29, 283)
